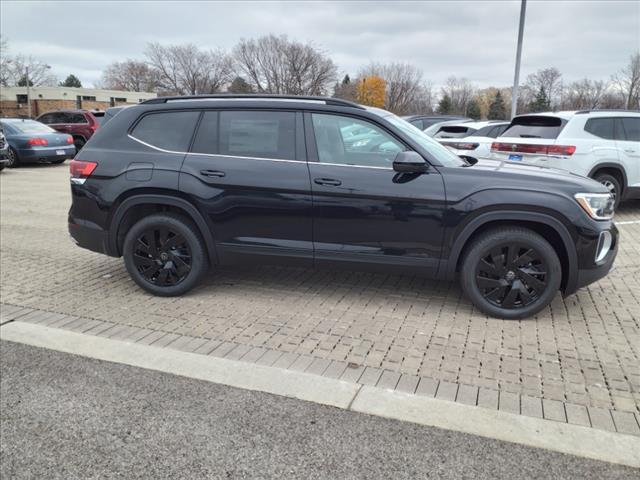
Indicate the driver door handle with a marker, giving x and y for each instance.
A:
(327, 181)
(212, 173)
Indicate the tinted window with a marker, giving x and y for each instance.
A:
(258, 134)
(600, 127)
(499, 130)
(167, 130)
(351, 141)
(77, 118)
(484, 131)
(454, 132)
(534, 126)
(631, 127)
(207, 138)
(46, 118)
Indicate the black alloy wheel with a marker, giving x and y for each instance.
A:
(511, 276)
(510, 272)
(162, 256)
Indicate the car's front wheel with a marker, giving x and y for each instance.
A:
(510, 272)
(164, 254)
(12, 156)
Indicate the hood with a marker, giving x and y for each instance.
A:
(497, 173)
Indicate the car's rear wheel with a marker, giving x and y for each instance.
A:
(612, 184)
(164, 254)
(12, 156)
(78, 143)
(510, 273)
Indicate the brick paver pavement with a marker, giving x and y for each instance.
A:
(577, 359)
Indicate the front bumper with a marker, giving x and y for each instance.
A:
(597, 270)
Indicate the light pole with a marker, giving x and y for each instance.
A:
(516, 79)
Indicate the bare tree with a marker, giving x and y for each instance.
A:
(282, 66)
(627, 81)
(549, 79)
(406, 91)
(13, 69)
(4, 64)
(584, 94)
(187, 70)
(460, 91)
(130, 75)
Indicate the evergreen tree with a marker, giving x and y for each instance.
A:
(71, 81)
(541, 103)
(445, 106)
(23, 81)
(473, 109)
(240, 85)
(497, 108)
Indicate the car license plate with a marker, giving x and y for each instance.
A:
(60, 152)
(515, 158)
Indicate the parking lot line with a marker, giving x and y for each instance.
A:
(566, 438)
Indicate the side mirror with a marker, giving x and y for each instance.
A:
(409, 162)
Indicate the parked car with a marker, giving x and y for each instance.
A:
(80, 124)
(31, 141)
(478, 144)
(601, 144)
(176, 184)
(450, 129)
(4, 150)
(425, 121)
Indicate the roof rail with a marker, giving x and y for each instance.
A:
(623, 110)
(260, 96)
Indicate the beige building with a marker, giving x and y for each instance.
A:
(13, 100)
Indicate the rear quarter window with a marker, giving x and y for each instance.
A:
(600, 127)
(535, 126)
(166, 130)
(631, 126)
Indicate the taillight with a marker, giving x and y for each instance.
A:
(81, 170)
(38, 141)
(69, 139)
(565, 150)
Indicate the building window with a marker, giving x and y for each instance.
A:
(88, 98)
(115, 100)
(21, 98)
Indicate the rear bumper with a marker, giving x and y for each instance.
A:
(89, 235)
(48, 154)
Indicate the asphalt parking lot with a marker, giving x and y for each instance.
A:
(578, 361)
(65, 416)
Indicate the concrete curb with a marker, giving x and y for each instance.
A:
(571, 439)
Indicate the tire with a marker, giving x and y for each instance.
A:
(78, 143)
(14, 161)
(510, 273)
(612, 184)
(163, 270)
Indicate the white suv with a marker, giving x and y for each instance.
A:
(601, 144)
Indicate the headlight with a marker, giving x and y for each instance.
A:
(598, 205)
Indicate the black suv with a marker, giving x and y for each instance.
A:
(177, 184)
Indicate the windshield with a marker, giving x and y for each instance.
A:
(30, 126)
(440, 153)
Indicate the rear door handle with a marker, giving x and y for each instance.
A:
(327, 181)
(630, 151)
(212, 173)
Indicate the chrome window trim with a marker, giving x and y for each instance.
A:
(217, 155)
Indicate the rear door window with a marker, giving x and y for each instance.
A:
(535, 126)
(167, 130)
(77, 118)
(631, 127)
(259, 134)
(600, 127)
